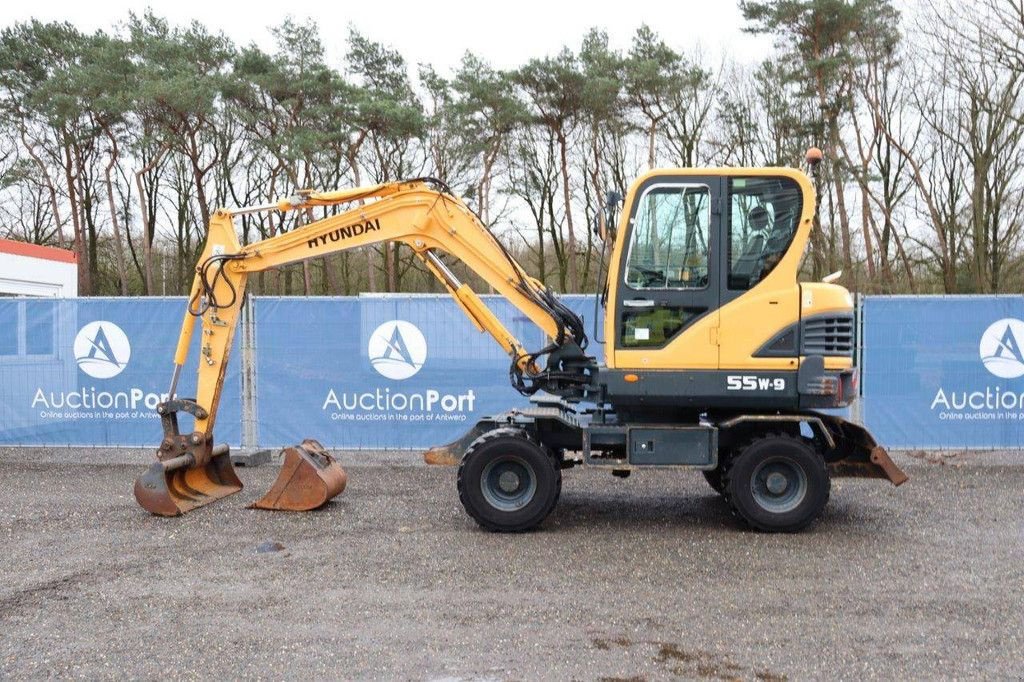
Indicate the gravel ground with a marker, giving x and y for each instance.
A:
(645, 578)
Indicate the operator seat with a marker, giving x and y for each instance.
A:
(749, 263)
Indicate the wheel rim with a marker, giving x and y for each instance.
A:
(779, 485)
(508, 483)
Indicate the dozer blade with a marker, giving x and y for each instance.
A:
(309, 478)
(450, 454)
(175, 486)
(861, 455)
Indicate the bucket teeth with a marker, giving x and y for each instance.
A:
(175, 492)
(309, 477)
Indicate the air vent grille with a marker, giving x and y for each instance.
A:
(827, 335)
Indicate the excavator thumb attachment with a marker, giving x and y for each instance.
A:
(309, 478)
(174, 486)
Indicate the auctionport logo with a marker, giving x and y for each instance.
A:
(1000, 352)
(1000, 348)
(397, 349)
(102, 349)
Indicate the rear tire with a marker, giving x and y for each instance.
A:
(714, 479)
(507, 482)
(777, 484)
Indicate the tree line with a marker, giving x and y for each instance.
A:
(120, 144)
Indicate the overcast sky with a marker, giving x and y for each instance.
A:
(438, 32)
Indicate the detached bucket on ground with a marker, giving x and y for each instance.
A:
(309, 478)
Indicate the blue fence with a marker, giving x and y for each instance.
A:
(381, 371)
(90, 371)
(412, 371)
(944, 372)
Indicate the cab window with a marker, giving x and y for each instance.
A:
(669, 244)
(763, 217)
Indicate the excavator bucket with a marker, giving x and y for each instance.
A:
(175, 486)
(309, 478)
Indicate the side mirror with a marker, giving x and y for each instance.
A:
(610, 217)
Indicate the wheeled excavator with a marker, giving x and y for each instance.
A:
(715, 358)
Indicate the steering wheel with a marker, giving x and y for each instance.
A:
(649, 275)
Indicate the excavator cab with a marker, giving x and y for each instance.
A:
(699, 253)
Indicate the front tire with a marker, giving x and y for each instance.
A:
(777, 484)
(507, 482)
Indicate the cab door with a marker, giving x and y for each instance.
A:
(667, 293)
(759, 293)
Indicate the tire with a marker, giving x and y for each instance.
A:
(714, 479)
(508, 483)
(777, 484)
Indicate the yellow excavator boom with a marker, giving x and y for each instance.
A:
(421, 214)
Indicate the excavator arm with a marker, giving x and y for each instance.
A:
(424, 215)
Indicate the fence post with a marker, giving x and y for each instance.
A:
(858, 316)
(247, 370)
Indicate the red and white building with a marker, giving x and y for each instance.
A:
(33, 270)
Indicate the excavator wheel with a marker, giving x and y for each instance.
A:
(777, 483)
(507, 482)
